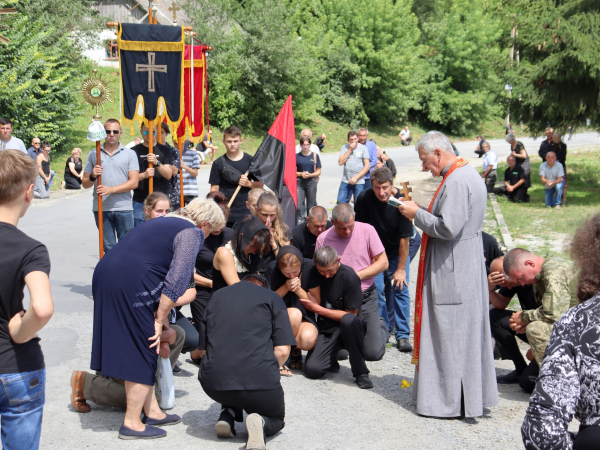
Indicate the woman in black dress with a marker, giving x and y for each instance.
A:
(521, 157)
(294, 277)
(134, 287)
(242, 254)
(73, 170)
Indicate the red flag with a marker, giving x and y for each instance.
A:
(193, 124)
(275, 162)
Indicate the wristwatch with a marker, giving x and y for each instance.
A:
(158, 163)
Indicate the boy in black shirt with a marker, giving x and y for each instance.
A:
(23, 261)
(161, 172)
(229, 171)
(339, 321)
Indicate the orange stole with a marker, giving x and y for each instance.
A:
(458, 162)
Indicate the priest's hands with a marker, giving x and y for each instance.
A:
(409, 209)
(516, 323)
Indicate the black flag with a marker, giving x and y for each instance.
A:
(151, 59)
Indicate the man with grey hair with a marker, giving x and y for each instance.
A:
(360, 248)
(490, 164)
(551, 174)
(340, 324)
(455, 373)
(308, 134)
(354, 156)
(363, 134)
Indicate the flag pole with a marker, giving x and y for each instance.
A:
(236, 192)
(179, 146)
(150, 152)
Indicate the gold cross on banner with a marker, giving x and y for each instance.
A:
(151, 68)
(174, 8)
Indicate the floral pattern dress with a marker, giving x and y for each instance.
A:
(569, 382)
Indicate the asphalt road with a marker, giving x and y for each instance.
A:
(329, 413)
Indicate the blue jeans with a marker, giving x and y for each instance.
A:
(394, 304)
(52, 173)
(367, 184)
(138, 213)
(22, 398)
(116, 225)
(346, 190)
(550, 194)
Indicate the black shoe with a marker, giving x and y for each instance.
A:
(225, 426)
(343, 355)
(176, 369)
(511, 378)
(170, 419)
(403, 345)
(364, 382)
(334, 368)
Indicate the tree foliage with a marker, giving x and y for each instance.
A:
(557, 82)
(40, 70)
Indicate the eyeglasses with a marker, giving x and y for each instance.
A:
(146, 133)
(36, 143)
(112, 131)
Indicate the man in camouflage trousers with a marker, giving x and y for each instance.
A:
(551, 278)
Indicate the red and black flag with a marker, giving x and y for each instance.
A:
(151, 61)
(275, 162)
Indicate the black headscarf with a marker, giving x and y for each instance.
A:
(243, 233)
(275, 276)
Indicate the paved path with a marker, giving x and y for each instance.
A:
(324, 414)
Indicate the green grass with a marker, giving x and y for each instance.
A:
(546, 230)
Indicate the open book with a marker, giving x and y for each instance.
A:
(393, 201)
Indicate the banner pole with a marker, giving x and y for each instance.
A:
(100, 221)
(150, 152)
(236, 192)
(181, 169)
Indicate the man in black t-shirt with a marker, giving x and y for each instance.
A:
(23, 261)
(246, 336)
(304, 235)
(515, 184)
(523, 374)
(395, 232)
(340, 325)
(547, 144)
(229, 171)
(161, 172)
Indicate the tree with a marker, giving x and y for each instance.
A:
(557, 82)
(256, 62)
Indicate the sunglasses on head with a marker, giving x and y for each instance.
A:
(112, 131)
(146, 133)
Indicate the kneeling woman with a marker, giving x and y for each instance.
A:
(135, 286)
(294, 277)
(242, 254)
(247, 335)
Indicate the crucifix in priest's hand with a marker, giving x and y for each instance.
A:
(151, 68)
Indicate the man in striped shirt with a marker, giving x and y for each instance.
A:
(190, 164)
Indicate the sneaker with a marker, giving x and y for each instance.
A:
(148, 433)
(225, 426)
(364, 382)
(557, 207)
(176, 369)
(403, 345)
(256, 433)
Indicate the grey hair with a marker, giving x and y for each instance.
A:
(433, 140)
(510, 137)
(325, 256)
(342, 212)
(515, 258)
(382, 175)
(486, 143)
(317, 212)
(557, 134)
(309, 132)
(363, 129)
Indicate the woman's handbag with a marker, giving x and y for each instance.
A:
(165, 383)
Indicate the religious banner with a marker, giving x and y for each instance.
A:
(151, 61)
(194, 78)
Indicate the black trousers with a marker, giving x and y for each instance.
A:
(188, 198)
(518, 195)
(198, 307)
(349, 335)
(587, 438)
(270, 405)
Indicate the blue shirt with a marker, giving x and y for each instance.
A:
(372, 157)
(32, 153)
(307, 163)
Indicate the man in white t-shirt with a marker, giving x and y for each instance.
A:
(7, 140)
(490, 164)
(313, 148)
(405, 136)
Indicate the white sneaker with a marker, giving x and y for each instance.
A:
(256, 433)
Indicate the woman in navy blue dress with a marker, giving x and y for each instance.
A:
(135, 286)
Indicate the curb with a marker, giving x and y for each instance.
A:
(508, 242)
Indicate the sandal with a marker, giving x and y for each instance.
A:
(283, 369)
(296, 359)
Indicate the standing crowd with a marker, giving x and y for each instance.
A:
(334, 289)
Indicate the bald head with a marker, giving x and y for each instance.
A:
(497, 265)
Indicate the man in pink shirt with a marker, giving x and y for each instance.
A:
(359, 247)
